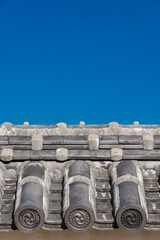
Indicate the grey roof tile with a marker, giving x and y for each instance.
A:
(85, 190)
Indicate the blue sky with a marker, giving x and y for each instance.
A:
(71, 61)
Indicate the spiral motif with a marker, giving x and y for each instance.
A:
(29, 218)
(131, 218)
(79, 218)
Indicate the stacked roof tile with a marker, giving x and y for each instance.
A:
(79, 177)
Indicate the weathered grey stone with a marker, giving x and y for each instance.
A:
(129, 197)
(54, 219)
(26, 123)
(11, 174)
(113, 128)
(148, 141)
(53, 140)
(68, 146)
(157, 140)
(79, 199)
(77, 154)
(37, 142)
(19, 140)
(3, 140)
(116, 154)
(62, 154)
(82, 123)
(32, 197)
(130, 139)
(7, 154)
(34, 155)
(72, 154)
(77, 130)
(90, 155)
(2, 177)
(93, 141)
(75, 140)
(61, 128)
(136, 123)
(18, 147)
(122, 146)
(107, 140)
(7, 125)
(141, 154)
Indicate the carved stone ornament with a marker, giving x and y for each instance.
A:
(131, 219)
(79, 219)
(29, 220)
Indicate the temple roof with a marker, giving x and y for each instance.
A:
(79, 177)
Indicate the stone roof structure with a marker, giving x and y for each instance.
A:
(79, 177)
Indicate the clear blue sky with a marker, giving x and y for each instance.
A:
(66, 61)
